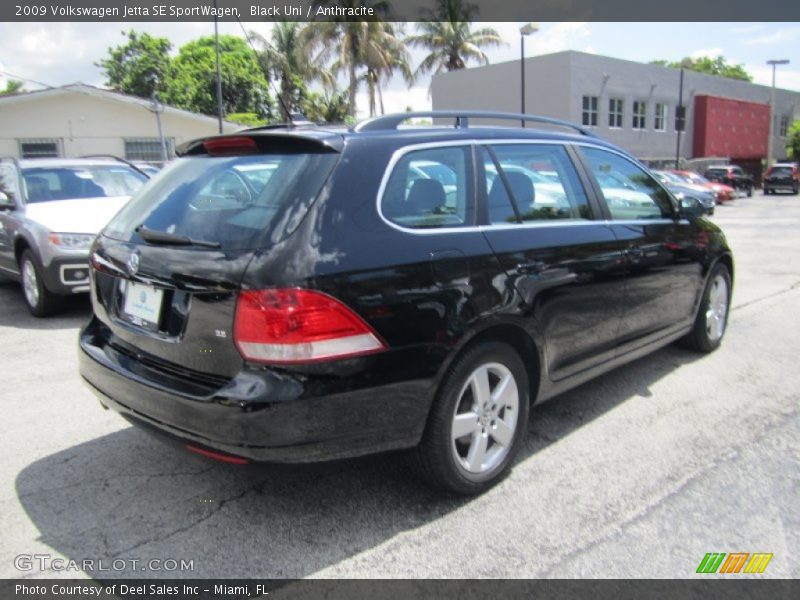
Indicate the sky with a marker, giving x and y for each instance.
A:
(58, 53)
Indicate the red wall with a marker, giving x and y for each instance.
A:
(727, 127)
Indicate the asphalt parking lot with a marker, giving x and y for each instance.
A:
(637, 474)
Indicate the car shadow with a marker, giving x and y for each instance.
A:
(75, 310)
(124, 497)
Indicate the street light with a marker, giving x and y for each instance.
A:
(774, 63)
(525, 30)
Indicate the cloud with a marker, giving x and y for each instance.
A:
(780, 36)
(752, 28)
(397, 100)
(785, 77)
(710, 52)
(36, 50)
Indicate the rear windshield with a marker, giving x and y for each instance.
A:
(45, 184)
(781, 171)
(232, 201)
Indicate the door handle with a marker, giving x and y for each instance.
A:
(634, 252)
(531, 268)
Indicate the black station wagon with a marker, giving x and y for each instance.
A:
(304, 293)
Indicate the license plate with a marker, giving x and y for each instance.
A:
(142, 305)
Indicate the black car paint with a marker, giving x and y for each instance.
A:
(575, 299)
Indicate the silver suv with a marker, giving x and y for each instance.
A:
(50, 211)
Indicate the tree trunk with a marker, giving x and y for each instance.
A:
(353, 87)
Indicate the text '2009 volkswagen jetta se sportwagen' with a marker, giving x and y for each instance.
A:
(300, 293)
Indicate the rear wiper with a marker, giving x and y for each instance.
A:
(152, 236)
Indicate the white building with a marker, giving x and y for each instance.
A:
(78, 120)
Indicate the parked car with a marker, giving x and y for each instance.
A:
(688, 193)
(733, 176)
(336, 310)
(50, 211)
(147, 168)
(723, 193)
(782, 176)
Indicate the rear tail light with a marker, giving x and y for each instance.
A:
(291, 326)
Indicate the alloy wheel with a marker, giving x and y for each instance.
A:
(30, 283)
(717, 311)
(485, 419)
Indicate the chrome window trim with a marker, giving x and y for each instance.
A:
(400, 152)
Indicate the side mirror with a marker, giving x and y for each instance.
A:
(6, 202)
(690, 208)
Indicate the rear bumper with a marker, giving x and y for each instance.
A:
(781, 184)
(261, 414)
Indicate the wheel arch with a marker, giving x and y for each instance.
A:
(516, 337)
(727, 260)
(20, 245)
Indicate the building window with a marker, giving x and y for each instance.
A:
(784, 127)
(639, 114)
(147, 149)
(40, 148)
(615, 112)
(590, 111)
(660, 121)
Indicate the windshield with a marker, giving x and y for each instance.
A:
(46, 184)
(667, 176)
(694, 178)
(230, 201)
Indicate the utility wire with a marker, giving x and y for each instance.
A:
(266, 73)
(18, 77)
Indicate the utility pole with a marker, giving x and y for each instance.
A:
(219, 76)
(680, 122)
(525, 30)
(770, 153)
(158, 109)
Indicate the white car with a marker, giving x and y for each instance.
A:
(50, 212)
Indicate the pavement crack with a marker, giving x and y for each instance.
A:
(791, 288)
(192, 525)
(619, 529)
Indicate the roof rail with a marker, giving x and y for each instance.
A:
(389, 122)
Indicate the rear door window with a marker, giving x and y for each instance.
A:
(629, 191)
(532, 182)
(430, 188)
(232, 201)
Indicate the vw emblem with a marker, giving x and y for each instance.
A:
(133, 262)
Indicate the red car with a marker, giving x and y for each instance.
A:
(723, 192)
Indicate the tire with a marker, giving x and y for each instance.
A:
(767, 191)
(712, 317)
(475, 461)
(750, 191)
(40, 301)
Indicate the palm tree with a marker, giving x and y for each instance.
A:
(382, 63)
(355, 44)
(285, 59)
(447, 33)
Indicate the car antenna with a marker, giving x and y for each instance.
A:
(290, 118)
